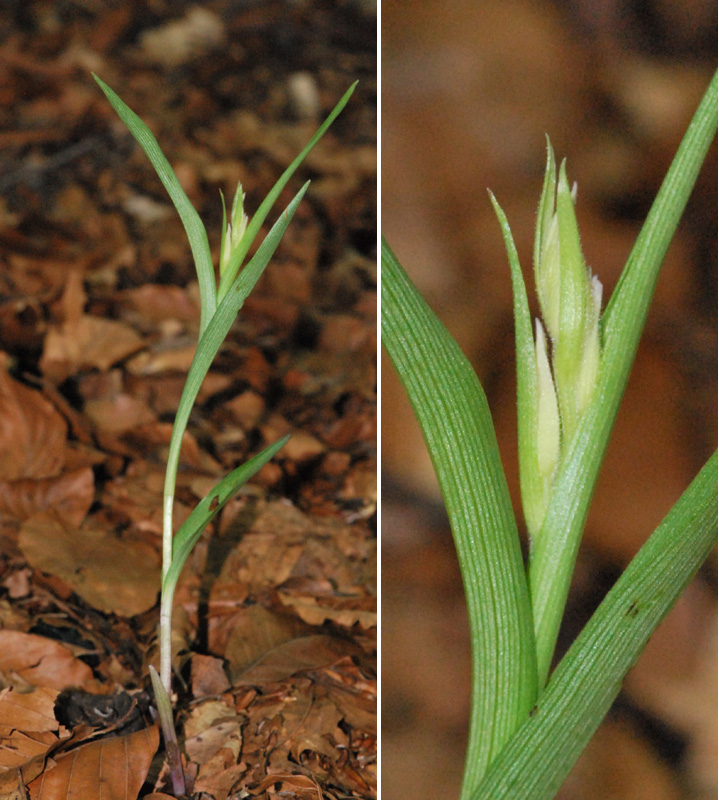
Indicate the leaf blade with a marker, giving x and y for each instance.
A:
(258, 218)
(194, 228)
(541, 753)
(453, 413)
(205, 511)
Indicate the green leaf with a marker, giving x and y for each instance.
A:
(209, 345)
(204, 512)
(541, 753)
(556, 545)
(196, 233)
(455, 420)
(255, 223)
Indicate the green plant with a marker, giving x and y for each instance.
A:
(525, 736)
(219, 305)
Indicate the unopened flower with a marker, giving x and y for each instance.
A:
(557, 369)
(569, 298)
(234, 228)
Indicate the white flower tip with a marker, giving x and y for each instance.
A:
(596, 289)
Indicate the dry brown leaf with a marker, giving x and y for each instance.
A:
(208, 676)
(157, 303)
(291, 781)
(31, 711)
(70, 495)
(147, 439)
(118, 413)
(32, 433)
(91, 342)
(303, 447)
(162, 359)
(195, 35)
(254, 632)
(40, 661)
(345, 611)
(111, 769)
(113, 574)
(136, 496)
(354, 695)
(82, 341)
(284, 544)
(208, 727)
(247, 409)
(22, 757)
(217, 778)
(296, 655)
(318, 730)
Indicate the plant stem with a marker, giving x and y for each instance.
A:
(166, 640)
(172, 748)
(165, 596)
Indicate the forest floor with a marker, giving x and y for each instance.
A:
(275, 615)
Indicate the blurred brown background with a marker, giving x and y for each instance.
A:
(469, 90)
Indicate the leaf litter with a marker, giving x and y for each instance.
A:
(275, 629)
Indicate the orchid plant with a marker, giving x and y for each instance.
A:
(219, 306)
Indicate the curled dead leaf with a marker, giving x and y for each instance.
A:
(345, 611)
(296, 655)
(298, 784)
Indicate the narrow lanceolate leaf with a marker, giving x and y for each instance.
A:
(211, 342)
(554, 555)
(255, 223)
(453, 413)
(196, 233)
(541, 753)
(210, 505)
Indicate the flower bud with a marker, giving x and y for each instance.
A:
(569, 298)
(234, 229)
(557, 369)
